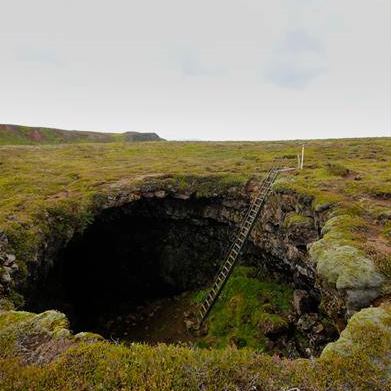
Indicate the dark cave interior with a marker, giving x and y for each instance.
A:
(149, 249)
(135, 260)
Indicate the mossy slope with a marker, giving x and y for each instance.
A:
(246, 310)
(359, 361)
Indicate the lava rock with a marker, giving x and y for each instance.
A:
(307, 321)
(5, 276)
(302, 302)
(318, 328)
(359, 298)
(160, 194)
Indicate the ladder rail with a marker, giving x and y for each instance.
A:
(242, 235)
(244, 219)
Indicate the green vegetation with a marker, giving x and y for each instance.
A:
(247, 309)
(338, 261)
(337, 169)
(359, 361)
(51, 190)
(295, 219)
(27, 135)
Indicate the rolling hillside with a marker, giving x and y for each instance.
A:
(26, 135)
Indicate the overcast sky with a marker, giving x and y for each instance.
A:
(198, 69)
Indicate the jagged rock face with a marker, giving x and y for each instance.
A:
(278, 244)
(8, 266)
(284, 243)
(157, 244)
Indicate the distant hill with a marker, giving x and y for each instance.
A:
(25, 135)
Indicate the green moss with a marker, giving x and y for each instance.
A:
(6, 304)
(55, 189)
(387, 230)
(337, 169)
(339, 261)
(67, 181)
(247, 309)
(88, 337)
(295, 219)
(345, 267)
(367, 331)
(383, 265)
(19, 329)
(12, 318)
(362, 365)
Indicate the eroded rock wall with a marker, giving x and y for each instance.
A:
(287, 227)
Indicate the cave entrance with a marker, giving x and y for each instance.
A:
(125, 272)
(132, 275)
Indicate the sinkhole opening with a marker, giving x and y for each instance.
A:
(138, 272)
(151, 250)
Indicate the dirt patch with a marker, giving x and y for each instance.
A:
(160, 321)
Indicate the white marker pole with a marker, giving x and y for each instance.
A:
(302, 157)
(298, 162)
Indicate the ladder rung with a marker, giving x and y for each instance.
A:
(241, 237)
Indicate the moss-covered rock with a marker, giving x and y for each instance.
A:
(368, 336)
(34, 338)
(345, 267)
(88, 337)
(297, 220)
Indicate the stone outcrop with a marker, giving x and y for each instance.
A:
(8, 269)
(38, 338)
(369, 330)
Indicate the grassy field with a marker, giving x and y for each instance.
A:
(64, 182)
(353, 174)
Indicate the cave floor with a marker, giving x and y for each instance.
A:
(158, 321)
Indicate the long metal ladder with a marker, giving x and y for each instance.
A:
(233, 254)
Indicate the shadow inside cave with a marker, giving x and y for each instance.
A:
(129, 257)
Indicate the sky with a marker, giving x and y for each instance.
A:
(199, 69)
